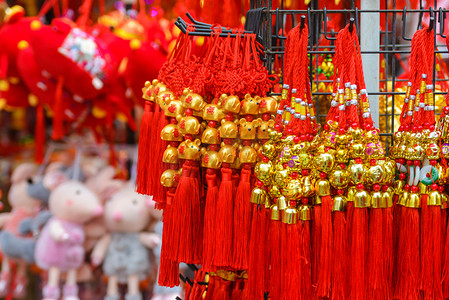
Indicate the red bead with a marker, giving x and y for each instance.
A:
(188, 137)
(277, 127)
(259, 183)
(337, 118)
(322, 175)
(432, 127)
(354, 125)
(420, 128)
(385, 188)
(446, 109)
(414, 189)
(358, 160)
(414, 128)
(296, 140)
(229, 117)
(341, 131)
(376, 187)
(294, 175)
(407, 127)
(285, 165)
(212, 124)
(342, 166)
(433, 162)
(428, 175)
(265, 159)
(417, 162)
(213, 147)
(227, 141)
(292, 203)
(305, 172)
(249, 118)
(189, 112)
(360, 186)
(373, 162)
(427, 125)
(402, 161)
(409, 162)
(340, 192)
(402, 176)
(173, 120)
(289, 131)
(304, 200)
(401, 128)
(441, 189)
(326, 127)
(266, 117)
(302, 137)
(434, 186)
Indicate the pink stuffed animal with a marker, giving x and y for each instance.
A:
(60, 245)
(125, 250)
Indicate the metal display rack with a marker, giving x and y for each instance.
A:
(394, 46)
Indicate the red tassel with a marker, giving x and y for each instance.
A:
(210, 288)
(58, 130)
(305, 259)
(397, 209)
(168, 272)
(252, 291)
(238, 289)
(275, 259)
(209, 220)
(316, 242)
(292, 262)
(39, 134)
(388, 248)
(143, 179)
(348, 258)
(156, 189)
(359, 252)
(377, 284)
(408, 258)
(186, 224)
(431, 256)
(324, 277)
(225, 212)
(242, 221)
(446, 266)
(339, 270)
(222, 290)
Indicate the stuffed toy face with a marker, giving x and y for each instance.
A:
(18, 194)
(71, 200)
(127, 211)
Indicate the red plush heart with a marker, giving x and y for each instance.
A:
(68, 52)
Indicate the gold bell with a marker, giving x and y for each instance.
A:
(403, 197)
(444, 201)
(305, 213)
(413, 201)
(258, 196)
(434, 198)
(388, 197)
(351, 192)
(377, 201)
(362, 199)
(290, 216)
(282, 203)
(339, 203)
(275, 213)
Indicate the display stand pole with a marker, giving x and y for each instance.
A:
(370, 41)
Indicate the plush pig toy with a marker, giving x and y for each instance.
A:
(125, 250)
(26, 201)
(59, 247)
